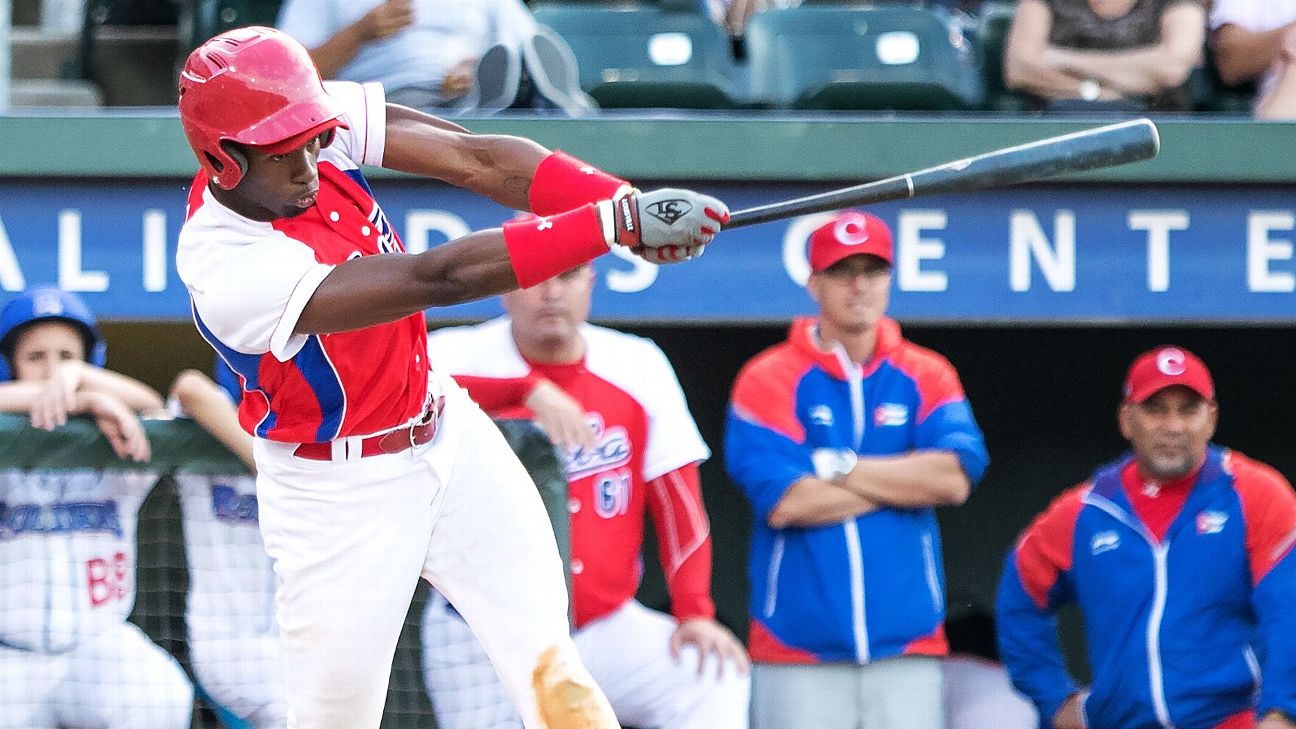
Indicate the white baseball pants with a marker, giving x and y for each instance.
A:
(350, 538)
(628, 654)
(118, 679)
(894, 692)
(243, 674)
(978, 693)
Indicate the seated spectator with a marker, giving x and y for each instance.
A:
(229, 610)
(1105, 54)
(439, 54)
(68, 655)
(1256, 41)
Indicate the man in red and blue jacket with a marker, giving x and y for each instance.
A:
(1179, 555)
(843, 438)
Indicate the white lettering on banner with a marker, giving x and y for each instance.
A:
(912, 249)
(1261, 249)
(155, 250)
(1158, 224)
(11, 275)
(71, 277)
(640, 277)
(795, 238)
(1028, 241)
(418, 223)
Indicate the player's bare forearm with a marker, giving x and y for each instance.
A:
(1241, 55)
(910, 481)
(376, 289)
(500, 167)
(813, 502)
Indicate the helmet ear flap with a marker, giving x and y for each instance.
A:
(236, 154)
(327, 137)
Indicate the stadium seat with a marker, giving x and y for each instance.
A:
(1209, 92)
(991, 34)
(217, 16)
(641, 56)
(862, 58)
(129, 49)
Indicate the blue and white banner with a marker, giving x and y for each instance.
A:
(1039, 254)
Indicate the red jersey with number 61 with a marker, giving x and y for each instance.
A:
(645, 458)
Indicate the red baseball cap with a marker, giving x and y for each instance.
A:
(849, 234)
(1165, 367)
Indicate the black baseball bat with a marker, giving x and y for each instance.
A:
(1105, 146)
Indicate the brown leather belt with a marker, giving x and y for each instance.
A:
(396, 441)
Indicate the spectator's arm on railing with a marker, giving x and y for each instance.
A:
(1025, 52)
(1242, 55)
(203, 401)
(135, 394)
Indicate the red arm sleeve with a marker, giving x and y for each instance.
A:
(1269, 508)
(563, 183)
(683, 541)
(1045, 549)
(495, 394)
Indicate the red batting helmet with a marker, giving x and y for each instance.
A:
(254, 86)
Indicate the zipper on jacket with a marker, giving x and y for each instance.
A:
(771, 579)
(929, 561)
(854, 553)
(1254, 666)
(1160, 550)
(859, 628)
(1156, 678)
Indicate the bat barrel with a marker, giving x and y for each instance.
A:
(1091, 149)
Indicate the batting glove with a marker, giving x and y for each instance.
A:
(669, 225)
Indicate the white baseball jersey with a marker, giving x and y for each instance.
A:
(67, 554)
(231, 581)
(233, 639)
(68, 657)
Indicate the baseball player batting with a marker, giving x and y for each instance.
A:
(68, 657)
(372, 468)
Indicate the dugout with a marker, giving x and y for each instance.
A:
(1040, 295)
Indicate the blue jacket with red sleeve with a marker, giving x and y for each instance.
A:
(1179, 631)
(872, 586)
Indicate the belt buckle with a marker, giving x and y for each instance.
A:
(429, 418)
